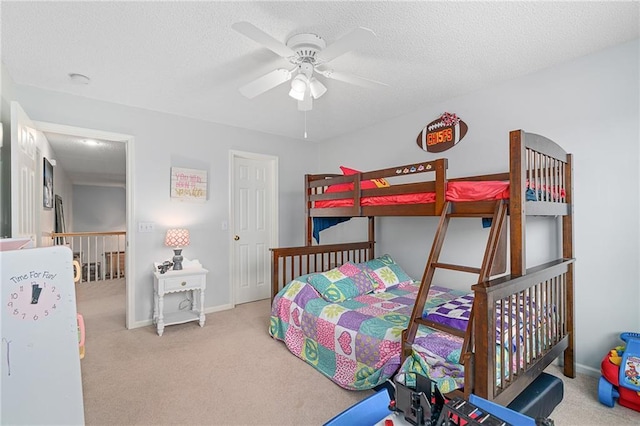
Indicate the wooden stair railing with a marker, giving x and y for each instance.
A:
(495, 246)
(101, 255)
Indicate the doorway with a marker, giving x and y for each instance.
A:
(254, 224)
(127, 140)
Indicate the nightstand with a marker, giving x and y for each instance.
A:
(191, 279)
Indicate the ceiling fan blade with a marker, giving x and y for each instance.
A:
(307, 102)
(351, 41)
(266, 82)
(256, 34)
(352, 79)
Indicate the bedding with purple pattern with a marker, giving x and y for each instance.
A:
(437, 355)
(356, 342)
(511, 322)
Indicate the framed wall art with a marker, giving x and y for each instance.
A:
(188, 184)
(47, 188)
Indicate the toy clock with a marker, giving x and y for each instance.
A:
(33, 302)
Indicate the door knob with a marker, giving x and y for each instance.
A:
(236, 238)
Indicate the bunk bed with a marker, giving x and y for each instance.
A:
(514, 325)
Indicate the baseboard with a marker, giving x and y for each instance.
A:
(589, 371)
(582, 369)
(148, 322)
(218, 308)
(139, 324)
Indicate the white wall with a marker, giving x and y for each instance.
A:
(99, 208)
(162, 141)
(590, 107)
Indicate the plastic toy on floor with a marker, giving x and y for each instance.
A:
(621, 374)
(81, 335)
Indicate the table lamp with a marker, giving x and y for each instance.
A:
(177, 238)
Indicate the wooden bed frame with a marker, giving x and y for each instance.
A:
(534, 161)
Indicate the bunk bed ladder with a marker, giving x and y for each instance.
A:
(484, 272)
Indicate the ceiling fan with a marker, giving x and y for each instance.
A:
(309, 55)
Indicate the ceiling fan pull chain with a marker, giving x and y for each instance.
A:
(305, 124)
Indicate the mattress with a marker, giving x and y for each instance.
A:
(456, 191)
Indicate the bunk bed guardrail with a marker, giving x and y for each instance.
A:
(532, 314)
(288, 263)
(317, 185)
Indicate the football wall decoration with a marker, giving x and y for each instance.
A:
(442, 133)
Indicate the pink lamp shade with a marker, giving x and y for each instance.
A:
(177, 237)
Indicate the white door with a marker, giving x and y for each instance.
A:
(24, 176)
(254, 224)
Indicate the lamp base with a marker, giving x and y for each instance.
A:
(177, 259)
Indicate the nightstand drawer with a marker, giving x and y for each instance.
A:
(182, 283)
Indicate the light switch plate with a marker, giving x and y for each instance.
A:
(146, 226)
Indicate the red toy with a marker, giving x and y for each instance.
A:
(610, 385)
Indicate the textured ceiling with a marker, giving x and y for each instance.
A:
(89, 161)
(184, 58)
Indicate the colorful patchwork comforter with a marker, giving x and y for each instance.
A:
(356, 343)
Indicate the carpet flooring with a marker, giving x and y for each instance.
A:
(231, 372)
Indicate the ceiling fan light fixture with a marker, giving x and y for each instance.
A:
(317, 88)
(299, 96)
(298, 87)
(299, 83)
